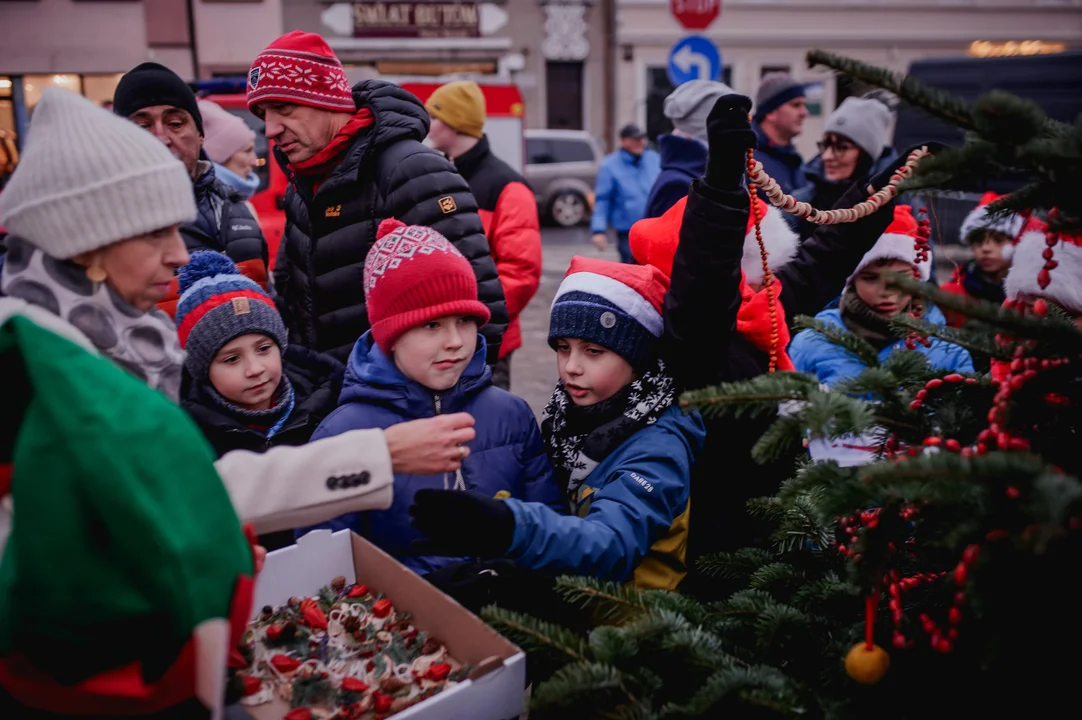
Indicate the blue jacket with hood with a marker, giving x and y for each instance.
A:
(507, 456)
(682, 161)
(812, 353)
(633, 511)
(620, 191)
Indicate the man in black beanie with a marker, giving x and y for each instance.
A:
(156, 99)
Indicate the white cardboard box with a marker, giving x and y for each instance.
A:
(496, 687)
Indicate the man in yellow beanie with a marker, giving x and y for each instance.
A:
(505, 203)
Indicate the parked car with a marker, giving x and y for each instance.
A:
(561, 166)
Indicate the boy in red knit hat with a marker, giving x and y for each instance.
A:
(424, 357)
(622, 449)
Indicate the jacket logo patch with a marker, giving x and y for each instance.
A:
(253, 78)
(642, 481)
(447, 205)
(241, 306)
(334, 211)
(241, 226)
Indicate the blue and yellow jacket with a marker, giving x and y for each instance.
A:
(632, 512)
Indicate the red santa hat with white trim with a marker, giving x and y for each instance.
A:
(1047, 265)
(615, 305)
(979, 219)
(898, 242)
(654, 240)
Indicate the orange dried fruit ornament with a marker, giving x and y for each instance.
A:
(867, 665)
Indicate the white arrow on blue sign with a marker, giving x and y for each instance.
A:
(694, 58)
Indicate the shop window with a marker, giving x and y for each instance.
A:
(35, 85)
(100, 88)
(563, 95)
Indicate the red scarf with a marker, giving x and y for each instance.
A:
(321, 164)
(753, 321)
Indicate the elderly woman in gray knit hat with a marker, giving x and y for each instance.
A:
(93, 212)
(854, 147)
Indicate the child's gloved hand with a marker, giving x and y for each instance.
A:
(729, 135)
(461, 522)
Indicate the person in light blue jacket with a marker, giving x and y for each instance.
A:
(866, 307)
(621, 448)
(622, 188)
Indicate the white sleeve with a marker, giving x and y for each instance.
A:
(291, 487)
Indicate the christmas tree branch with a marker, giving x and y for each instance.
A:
(751, 397)
(536, 634)
(611, 600)
(855, 345)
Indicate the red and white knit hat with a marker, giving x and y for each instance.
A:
(898, 242)
(300, 68)
(654, 240)
(615, 305)
(413, 275)
(978, 219)
(1063, 281)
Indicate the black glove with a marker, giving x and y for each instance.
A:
(881, 178)
(459, 522)
(729, 136)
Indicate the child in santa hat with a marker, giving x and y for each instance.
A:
(991, 240)
(424, 357)
(867, 306)
(1056, 279)
(622, 448)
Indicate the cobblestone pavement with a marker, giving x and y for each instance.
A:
(533, 366)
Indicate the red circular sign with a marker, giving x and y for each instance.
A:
(695, 14)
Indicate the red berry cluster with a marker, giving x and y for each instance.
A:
(923, 248)
(1051, 239)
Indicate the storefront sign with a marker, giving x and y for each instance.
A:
(416, 19)
(983, 48)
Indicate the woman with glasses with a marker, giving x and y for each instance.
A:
(854, 147)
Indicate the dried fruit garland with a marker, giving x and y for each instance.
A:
(345, 654)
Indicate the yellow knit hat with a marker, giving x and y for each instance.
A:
(460, 105)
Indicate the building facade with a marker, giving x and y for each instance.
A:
(760, 36)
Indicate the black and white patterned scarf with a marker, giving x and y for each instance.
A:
(143, 343)
(580, 438)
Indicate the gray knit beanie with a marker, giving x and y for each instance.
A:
(864, 121)
(775, 90)
(88, 179)
(688, 106)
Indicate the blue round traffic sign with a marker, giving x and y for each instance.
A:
(694, 58)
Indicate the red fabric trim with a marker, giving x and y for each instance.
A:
(6, 471)
(254, 270)
(203, 308)
(753, 322)
(121, 691)
(168, 304)
(323, 162)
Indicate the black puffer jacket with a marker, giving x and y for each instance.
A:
(387, 172)
(225, 224)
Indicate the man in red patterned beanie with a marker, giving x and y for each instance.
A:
(354, 158)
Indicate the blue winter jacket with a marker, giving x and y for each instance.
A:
(784, 164)
(621, 188)
(682, 160)
(508, 454)
(812, 353)
(632, 511)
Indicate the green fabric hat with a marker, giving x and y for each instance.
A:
(123, 538)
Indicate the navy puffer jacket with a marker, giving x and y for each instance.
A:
(507, 456)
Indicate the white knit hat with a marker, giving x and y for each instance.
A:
(1064, 280)
(978, 219)
(89, 178)
(898, 242)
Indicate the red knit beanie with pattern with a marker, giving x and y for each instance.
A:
(300, 68)
(413, 275)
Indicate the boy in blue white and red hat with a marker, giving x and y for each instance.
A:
(622, 449)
